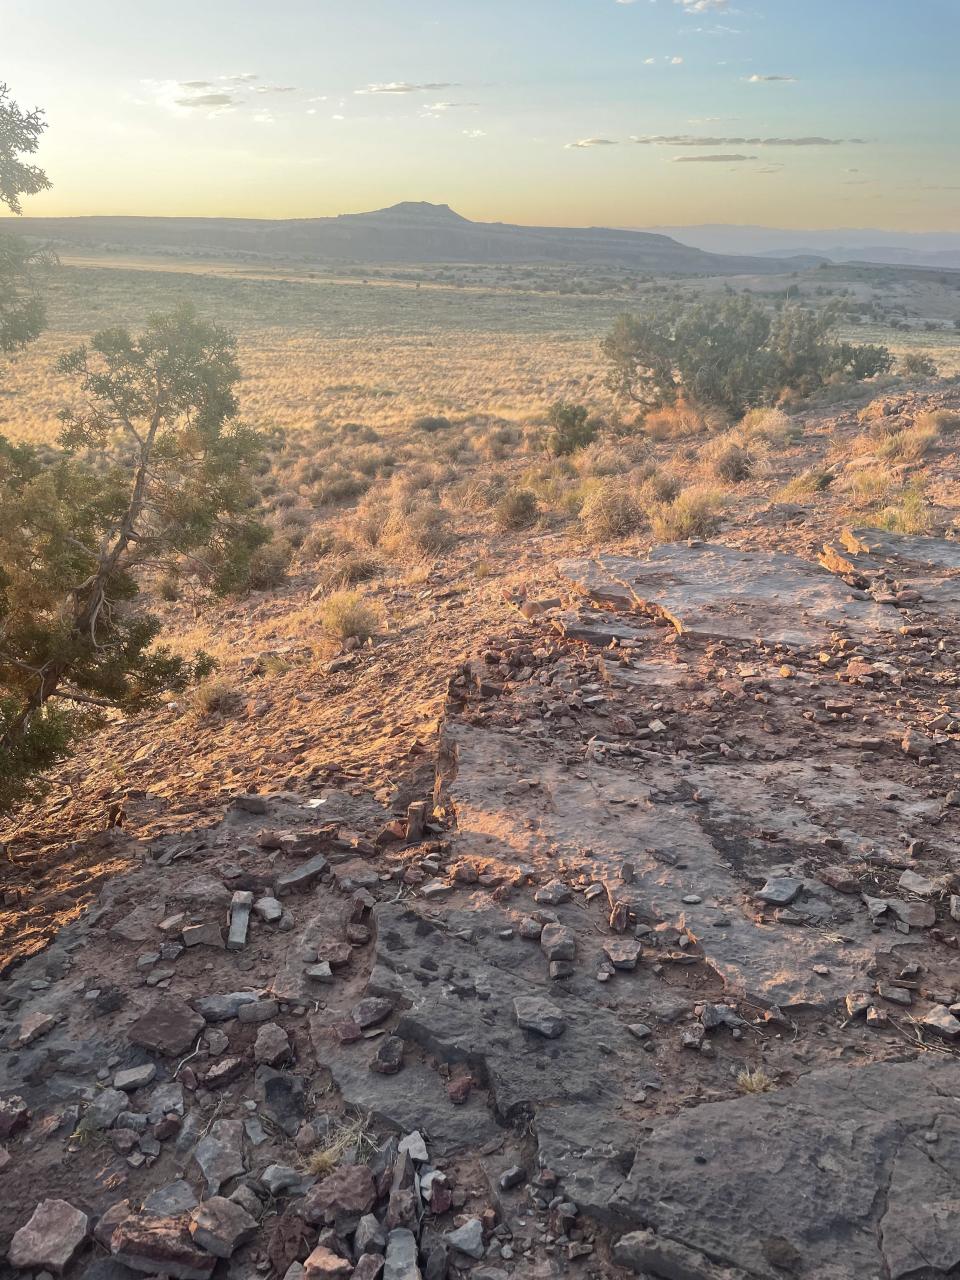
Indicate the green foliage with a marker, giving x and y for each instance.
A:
(21, 308)
(917, 365)
(171, 496)
(19, 135)
(570, 428)
(730, 352)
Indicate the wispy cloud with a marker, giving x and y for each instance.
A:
(718, 158)
(687, 140)
(216, 96)
(275, 88)
(755, 79)
(593, 142)
(474, 133)
(701, 6)
(404, 86)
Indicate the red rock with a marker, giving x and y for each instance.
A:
(458, 1091)
(369, 1267)
(349, 1190)
(347, 1032)
(223, 1072)
(325, 1265)
(161, 1246)
(169, 1026)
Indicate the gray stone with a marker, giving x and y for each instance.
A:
(219, 1154)
(558, 942)
(51, 1238)
(370, 1236)
(240, 907)
(401, 1257)
(208, 934)
(268, 909)
(780, 891)
(467, 1239)
(171, 1201)
(221, 1226)
(262, 1011)
(533, 1013)
(280, 1177)
(166, 1099)
(942, 1022)
(106, 1106)
(303, 875)
(272, 1045)
(221, 1008)
(415, 1146)
(842, 1134)
(134, 1077)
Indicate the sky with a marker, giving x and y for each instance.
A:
(629, 113)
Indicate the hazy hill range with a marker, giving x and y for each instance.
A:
(410, 232)
(932, 249)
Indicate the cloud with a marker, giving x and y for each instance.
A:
(755, 79)
(649, 62)
(275, 88)
(205, 100)
(701, 6)
(686, 140)
(404, 86)
(474, 133)
(675, 62)
(714, 159)
(593, 142)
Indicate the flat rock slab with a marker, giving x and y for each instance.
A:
(722, 593)
(572, 811)
(835, 1177)
(935, 553)
(455, 987)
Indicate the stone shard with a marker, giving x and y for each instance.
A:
(809, 1162)
(221, 1226)
(935, 553)
(542, 1016)
(467, 1239)
(324, 1264)
(51, 1239)
(219, 1155)
(161, 1246)
(169, 1026)
(348, 1190)
(400, 1262)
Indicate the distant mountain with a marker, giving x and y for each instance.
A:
(933, 249)
(411, 232)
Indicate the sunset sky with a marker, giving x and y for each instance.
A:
(801, 113)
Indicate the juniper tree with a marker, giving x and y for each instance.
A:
(731, 352)
(153, 476)
(21, 307)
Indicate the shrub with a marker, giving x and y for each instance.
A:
(610, 511)
(215, 696)
(414, 530)
(807, 482)
(318, 543)
(683, 419)
(268, 565)
(517, 509)
(769, 426)
(727, 460)
(569, 428)
(916, 364)
(345, 615)
(429, 423)
(730, 351)
(943, 421)
(694, 513)
(912, 514)
(908, 445)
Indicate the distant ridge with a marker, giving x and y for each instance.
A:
(410, 232)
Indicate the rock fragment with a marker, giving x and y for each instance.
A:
(536, 1014)
(221, 1226)
(51, 1239)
